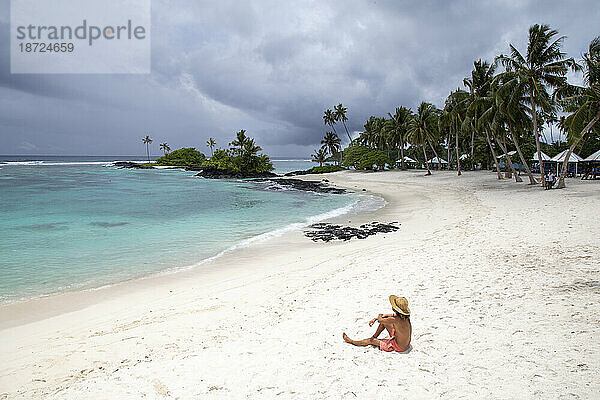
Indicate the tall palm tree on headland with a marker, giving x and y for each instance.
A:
(340, 115)
(421, 128)
(211, 143)
(329, 119)
(147, 142)
(583, 102)
(331, 142)
(543, 65)
(165, 148)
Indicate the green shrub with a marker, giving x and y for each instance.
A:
(185, 157)
(361, 157)
(228, 161)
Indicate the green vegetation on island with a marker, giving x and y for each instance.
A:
(241, 157)
(185, 157)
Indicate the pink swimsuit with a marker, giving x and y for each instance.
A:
(390, 344)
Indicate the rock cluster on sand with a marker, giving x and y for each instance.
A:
(328, 232)
(307, 186)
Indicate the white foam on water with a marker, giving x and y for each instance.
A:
(57, 163)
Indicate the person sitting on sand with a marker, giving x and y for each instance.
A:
(397, 324)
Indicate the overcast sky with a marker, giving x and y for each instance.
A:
(271, 67)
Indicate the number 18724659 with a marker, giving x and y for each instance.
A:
(35, 47)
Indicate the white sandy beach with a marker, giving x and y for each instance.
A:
(503, 281)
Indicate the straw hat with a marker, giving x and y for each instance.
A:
(400, 304)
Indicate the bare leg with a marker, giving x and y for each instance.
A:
(364, 342)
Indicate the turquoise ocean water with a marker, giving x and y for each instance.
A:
(71, 223)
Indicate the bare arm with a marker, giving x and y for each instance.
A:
(380, 318)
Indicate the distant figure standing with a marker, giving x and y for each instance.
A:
(397, 324)
(548, 180)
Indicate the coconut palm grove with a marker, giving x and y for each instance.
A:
(498, 113)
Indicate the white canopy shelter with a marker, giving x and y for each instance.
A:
(435, 160)
(409, 160)
(573, 158)
(545, 157)
(560, 157)
(593, 157)
(510, 153)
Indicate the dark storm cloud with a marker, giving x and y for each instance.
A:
(272, 69)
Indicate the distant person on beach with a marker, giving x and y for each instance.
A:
(548, 180)
(397, 324)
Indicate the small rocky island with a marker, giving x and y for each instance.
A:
(328, 232)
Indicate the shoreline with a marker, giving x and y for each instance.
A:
(465, 257)
(28, 310)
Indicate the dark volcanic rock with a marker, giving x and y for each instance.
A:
(214, 173)
(307, 186)
(328, 232)
(132, 165)
(302, 172)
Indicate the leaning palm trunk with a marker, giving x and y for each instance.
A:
(532, 180)
(536, 135)
(426, 162)
(472, 142)
(449, 155)
(563, 172)
(457, 156)
(509, 161)
(487, 136)
(347, 133)
(508, 174)
(436, 155)
(402, 152)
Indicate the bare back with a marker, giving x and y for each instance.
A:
(403, 330)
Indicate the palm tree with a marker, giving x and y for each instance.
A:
(147, 142)
(421, 126)
(398, 124)
(543, 65)
(211, 143)
(370, 136)
(319, 156)
(453, 115)
(240, 141)
(479, 85)
(331, 142)
(494, 122)
(165, 148)
(583, 102)
(516, 115)
(329, 119)
(340, 115)
(480, 88)
(249, 150)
